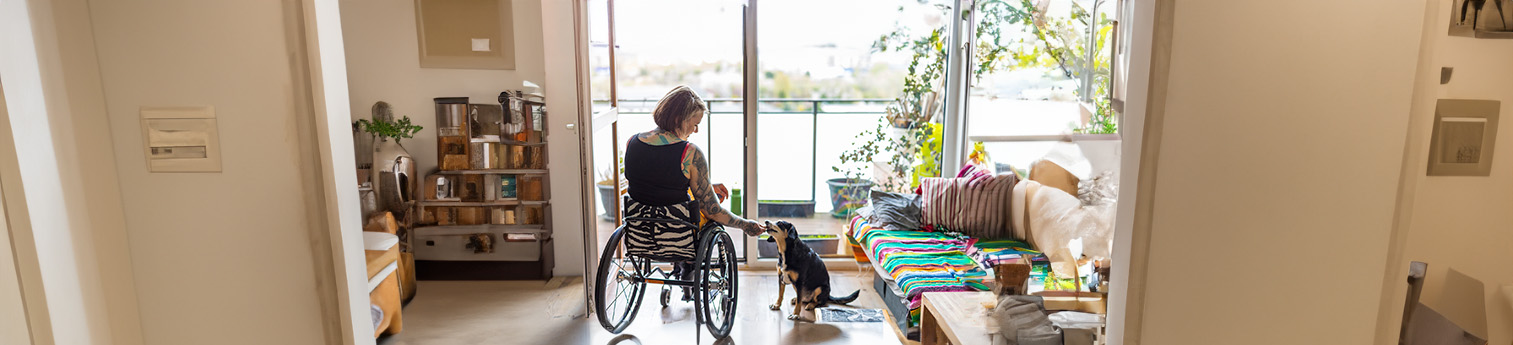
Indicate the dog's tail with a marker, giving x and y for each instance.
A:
(844, 300)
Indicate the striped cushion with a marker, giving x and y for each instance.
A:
(658, 240)
(976, 203)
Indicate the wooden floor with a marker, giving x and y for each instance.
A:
(553, 313)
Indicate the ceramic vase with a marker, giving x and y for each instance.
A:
(393, 176)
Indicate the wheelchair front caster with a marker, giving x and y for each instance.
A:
(666, 296)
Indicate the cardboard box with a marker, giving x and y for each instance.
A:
(428, 215)
(1087, 302)
(454, 162)
(529, 187)
(445, 216)
(533, 215)
(471, 215)
(535, 157)
(472, 188)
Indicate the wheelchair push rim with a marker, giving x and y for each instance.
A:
(717, 277)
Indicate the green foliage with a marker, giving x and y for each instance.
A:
(1041, 42)
(1015, 35)
(398, 130)
(914, 153)
(929, 153)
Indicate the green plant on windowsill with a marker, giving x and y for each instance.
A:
(382, 129)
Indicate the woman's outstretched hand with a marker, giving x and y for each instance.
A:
(755, 229)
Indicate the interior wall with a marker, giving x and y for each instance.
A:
(13, 322)
(1279, 152)
(62, 194)
(215, 255)
(1458, 225)
(383, 64)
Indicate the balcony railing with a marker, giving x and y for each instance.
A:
(862, 112)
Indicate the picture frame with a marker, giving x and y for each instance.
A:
(466, 34)
(1464, 137)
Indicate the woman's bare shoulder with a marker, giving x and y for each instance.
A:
(656, 137)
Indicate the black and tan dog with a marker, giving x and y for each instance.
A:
(801, 267)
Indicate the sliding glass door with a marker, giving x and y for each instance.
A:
(643, 55)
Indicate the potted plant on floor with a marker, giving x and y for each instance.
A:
(606, 186)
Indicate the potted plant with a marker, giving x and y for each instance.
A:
(393, 173)
(822, 245)
(902, 148)
(606, 186)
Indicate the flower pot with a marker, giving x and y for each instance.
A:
(785, 208)
(393, 176)
(847, 195)
(607, 199)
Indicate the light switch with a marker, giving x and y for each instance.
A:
(480, 44)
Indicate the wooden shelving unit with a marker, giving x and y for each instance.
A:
(490, 219)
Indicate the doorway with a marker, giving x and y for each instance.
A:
(602, 119)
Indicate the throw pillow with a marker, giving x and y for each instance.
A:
(894, 211)
(976, 204)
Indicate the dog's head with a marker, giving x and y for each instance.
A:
(784, 230)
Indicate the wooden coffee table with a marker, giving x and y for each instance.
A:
(955, 318)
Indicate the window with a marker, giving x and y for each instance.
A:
(1041, 72)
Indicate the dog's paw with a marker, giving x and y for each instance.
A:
(774, 307)
(795, 317)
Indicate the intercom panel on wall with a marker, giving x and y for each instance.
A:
(1464, 135)
(181, 139)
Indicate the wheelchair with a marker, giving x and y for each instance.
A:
(631, 258)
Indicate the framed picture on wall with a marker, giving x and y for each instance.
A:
(1465, 133)
(466, 34)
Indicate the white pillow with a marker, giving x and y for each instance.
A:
(1065, 230)
(1018, 201)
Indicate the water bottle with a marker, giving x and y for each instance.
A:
(736, 205)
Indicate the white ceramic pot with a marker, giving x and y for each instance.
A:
(393, 176)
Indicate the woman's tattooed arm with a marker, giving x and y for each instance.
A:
(696, 168)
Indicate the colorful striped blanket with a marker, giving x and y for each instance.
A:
(922, 262)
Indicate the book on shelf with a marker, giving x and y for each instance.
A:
(507, 187)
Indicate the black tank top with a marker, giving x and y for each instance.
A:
(655, 172)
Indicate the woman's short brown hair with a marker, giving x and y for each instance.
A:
(675, 107)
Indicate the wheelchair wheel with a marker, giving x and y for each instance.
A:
(617, 289)
(716, 275)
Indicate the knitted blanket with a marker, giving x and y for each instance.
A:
(922, 262)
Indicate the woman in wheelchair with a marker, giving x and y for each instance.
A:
(672, 214)
(663, 168)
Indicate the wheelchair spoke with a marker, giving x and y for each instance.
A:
(623, 287)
